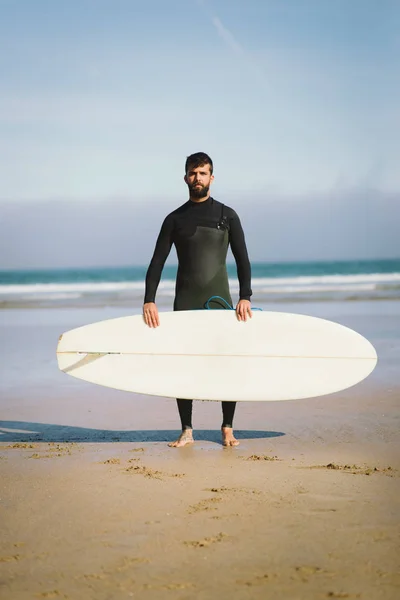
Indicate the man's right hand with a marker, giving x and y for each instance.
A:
(150, 314)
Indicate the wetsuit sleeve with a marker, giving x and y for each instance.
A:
(239, 251)
(161, 251)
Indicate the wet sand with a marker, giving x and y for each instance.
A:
(308, 508)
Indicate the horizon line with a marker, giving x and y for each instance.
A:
(232, 264)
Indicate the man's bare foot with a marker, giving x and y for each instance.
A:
(228, 439)
(186, 437)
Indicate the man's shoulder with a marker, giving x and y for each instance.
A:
(228, 210)
(176, 212)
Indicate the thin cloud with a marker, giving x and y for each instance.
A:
(231, 42)
(227, 36)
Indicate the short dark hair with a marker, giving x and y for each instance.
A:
(199, 159)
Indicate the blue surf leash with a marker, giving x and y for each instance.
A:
(228, 306)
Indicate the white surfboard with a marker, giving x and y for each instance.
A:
(210, 355)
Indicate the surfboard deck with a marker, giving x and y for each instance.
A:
(210, 355)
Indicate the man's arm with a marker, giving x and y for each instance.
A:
(153, 275)
(239, 251)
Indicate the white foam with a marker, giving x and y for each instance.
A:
(329, 279)
(316, 288)
(51, 296)
(55, 288)
(327, 283)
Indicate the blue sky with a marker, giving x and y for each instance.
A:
(107, 97)
(104, 99)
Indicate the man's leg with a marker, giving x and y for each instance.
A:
(228, 412)
(185, 413)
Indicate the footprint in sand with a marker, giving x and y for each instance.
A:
(258, 580)
(126, 563)
(306, 571)
(145, 471)
(54, 449)
(209, 504)
(140, 470)
(151, 473)
(51, 594)
(19, 445)
(262, 457)
(342, 595)
(204, 505)
(11, 558)
(224, 489)
(207, 541)
(168, 586)
(355, 469)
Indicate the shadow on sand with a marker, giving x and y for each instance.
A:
(21, 431)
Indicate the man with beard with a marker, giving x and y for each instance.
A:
(201, 230)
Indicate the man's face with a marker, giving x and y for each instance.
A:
(199, 180)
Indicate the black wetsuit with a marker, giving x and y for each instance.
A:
(201, 233)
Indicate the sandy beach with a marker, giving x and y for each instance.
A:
(192, 156)
(95, 505)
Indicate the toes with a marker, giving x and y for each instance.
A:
(179, 443)
(230, 443)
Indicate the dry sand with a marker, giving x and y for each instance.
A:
(307, 509)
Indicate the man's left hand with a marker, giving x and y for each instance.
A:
(243, 310)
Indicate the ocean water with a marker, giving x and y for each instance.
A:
(272, 283)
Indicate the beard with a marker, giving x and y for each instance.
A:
(198, 192)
